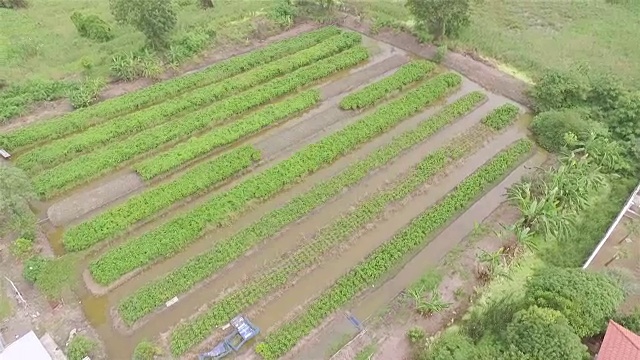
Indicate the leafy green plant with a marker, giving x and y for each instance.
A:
(283, 13)
(387, 256)
(92, 27)
(191, 43)
(443, 18)
(59, 151)
(89, 166)
(501, 117)
(15, 99)
(156, 19)
(154, 294)
(22, 248)
(79, 347)
(171, 159)
(433, 305)
(146, 350)
(85, 118)
(441, 53)
(407, 74)
(86, 92)
(551, 127)
(150, 202)
(155, 245)
(34, 267)
(417, 335)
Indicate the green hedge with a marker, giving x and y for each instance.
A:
(407, 74)
(84, 118)
(501, 117)
(173, 236)
(109, 158)
(198, 146)
(146, 299)
(196, 330)
(391, 254)
(62, 150)
(148, 203)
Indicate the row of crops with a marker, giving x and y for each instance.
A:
(391, 254)
(149, 297)
(175, 235)
(282, 272)
(84, 118)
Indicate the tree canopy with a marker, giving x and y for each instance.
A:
(156, 19)
(443, 18)
(586, 299)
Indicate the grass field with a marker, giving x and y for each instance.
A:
(41, 42)
(202, 185)
(532, 35)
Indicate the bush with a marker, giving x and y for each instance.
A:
(441, 53)
(22, 248)
(417, 335)
(586, 299)
(283, 13)
(543, 334)
(560, 90)
(145, 350)
(130, 66)
(190, 44)
(91, 27)
(79, 347)
(630, 321)
(86, 93)
(493, 319)
(451, 345)
(550, 127)
(34, 267)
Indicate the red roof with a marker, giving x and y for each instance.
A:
(619, 344)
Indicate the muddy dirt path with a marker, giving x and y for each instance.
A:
(297, 233)
(377, 298)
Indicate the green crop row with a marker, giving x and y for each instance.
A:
(390, 254)
(86, 117)
(59, 151)
(146, 299)
(173, 236)
(501, 117)
(148, 203)
(407, 74)
(198, 146)
(196, 330)
(89, 166)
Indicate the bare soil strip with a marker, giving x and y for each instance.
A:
(374, 300)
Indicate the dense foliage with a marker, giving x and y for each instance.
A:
(171, 159)
(389, 255)
(550, 127)
(79, 347)
(442, 18)
(15, 99)
(152, 201)
(84, 118)
(57, 152)
(586, 299)
(174, 235)
(501, 117)
(16, 190)
(89, 166)
(149, 297)
(91, 27)
(407, 74)
(156, 19)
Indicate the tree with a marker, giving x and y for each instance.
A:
(586, 299)
(206, 4)
(156, 19)
(16, 190)
(558, 89)
(443, 18)
(543, 334)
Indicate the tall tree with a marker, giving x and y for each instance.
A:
(443, 18)
(15, 194)
(206, 4)
(156, 19)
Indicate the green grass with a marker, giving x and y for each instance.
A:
(366, 353)
(530, 36)
(41, 41)
(5, 305)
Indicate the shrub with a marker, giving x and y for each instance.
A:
(417, 335)
(493, 319)
(86, 93)
(586, 299)
(145, 350)
(79, 347)
(283, 13)
(441, 52)
(92, 27)
(189, 44)
(22, 248)
(543, 334)
(13, 4)
(34, 267)
(451, 345)
(550, 127)
(630, 321)
(559, 90)
(130, 66)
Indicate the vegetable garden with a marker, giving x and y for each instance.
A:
(229, 216)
